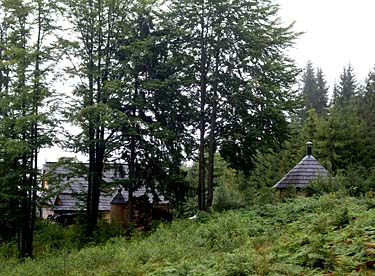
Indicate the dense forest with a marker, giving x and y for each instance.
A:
(156, 84)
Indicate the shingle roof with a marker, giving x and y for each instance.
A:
(302, 174)
(119, 198)
(75, 187)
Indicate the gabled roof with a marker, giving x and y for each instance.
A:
(74, 188)
(69, 202)
(119, 198)
(302, 174)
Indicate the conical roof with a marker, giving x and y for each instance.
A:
(302, 174)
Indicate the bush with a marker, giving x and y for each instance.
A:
(105, 230)
(186, 209)
(260, 195)
(369, 182)
(353, 179)
(321, 186)
(8, 250)
(356, 181)
(227, 199)
(50, 237)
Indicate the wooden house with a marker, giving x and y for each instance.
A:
(69, 188)
(302, 174)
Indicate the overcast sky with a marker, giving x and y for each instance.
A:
(337, 32)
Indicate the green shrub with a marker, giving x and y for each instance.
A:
(342, 218)
(227, 199)
(316, 253)
(105, 230)
(321, 186)
(51, 237)
(369, 183)
(8, 250)
(352, 179)
(186, 209)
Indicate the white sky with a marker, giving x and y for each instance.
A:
(337, 32)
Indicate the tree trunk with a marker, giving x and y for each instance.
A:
(92, 161)
(99, 130)
(90, 219)
(212, 138)
(34, 136)
(132, 163)
(131, 178)
(202, 116)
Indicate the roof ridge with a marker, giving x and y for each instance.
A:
(303, 173)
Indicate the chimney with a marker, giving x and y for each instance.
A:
(309, 148)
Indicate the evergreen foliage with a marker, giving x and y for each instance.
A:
(343, 140)
(367, 103)
(321, 99)
(314, 91)
(367, 111)
(131, 98)
(346, 89)
(157, 109)
(309, 87)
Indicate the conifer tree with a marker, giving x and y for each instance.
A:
(346, 89)
(131, 108)
(309, 88)
(321, 97)
(340, 139)
(367, 103)
(156, 136)
(314, 91)
(367, 111)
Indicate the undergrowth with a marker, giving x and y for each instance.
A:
(327, 235)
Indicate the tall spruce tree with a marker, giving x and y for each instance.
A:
(367, 111)
(156, 135)
(314, 91)
(131, 107)
(346, 89)
(367, 103)
(340, 139)
(309, 87)
(321, 97)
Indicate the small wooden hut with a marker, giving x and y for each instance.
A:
(118, 211)
(302, 174)
(143, 211)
